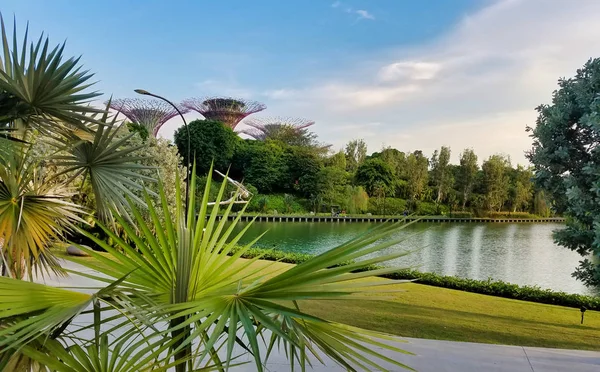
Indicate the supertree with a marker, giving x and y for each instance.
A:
(291, 131)
(148, 113)
(275, 128)
(229, 111)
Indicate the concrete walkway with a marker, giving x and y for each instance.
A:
(448, 356)
(431, 355)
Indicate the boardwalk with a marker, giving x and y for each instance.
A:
(288, 218)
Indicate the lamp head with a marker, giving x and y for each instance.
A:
(142, 91)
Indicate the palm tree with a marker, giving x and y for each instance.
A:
(43, 95)
(176, 294)
(180, 295)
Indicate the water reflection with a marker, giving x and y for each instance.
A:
(518, 253)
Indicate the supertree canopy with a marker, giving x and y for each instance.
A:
(148, 113)
(229, 111)
(277, 128)
(291, 131)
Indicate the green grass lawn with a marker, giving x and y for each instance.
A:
(437, 313)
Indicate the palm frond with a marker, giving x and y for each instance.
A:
(108, 164)
(38, 89)
(204, 292)
(29, 310)
(33, 215)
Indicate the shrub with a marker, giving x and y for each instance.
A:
(393, 206)
(276, 202)
(488, 287)
(511, 215)
(431, 209)
(461, 215)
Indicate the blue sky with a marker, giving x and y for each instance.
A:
(409, 74)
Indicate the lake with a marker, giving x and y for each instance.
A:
(523, 253)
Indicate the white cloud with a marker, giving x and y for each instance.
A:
(278, 94)
(363, 14)
(409, 70)
(474, 86)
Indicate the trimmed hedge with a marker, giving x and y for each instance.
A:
(275, 202)
(487, 287)
(461, 215)
(524, 215)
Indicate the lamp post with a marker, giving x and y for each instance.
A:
(187, 179)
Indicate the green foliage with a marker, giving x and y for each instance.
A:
(338, 160)
(300, 171)
(521, 193)
(392, 206)
(356, 153)
(441, 173)
(394, 158)
(566, 157)
(261, 163)
(331, 185)
(375, 174)
(501, 289)
(500, 215)
(276, 202)
(40, 90)
(466, 175)
(430, 209)
(141, 130)
(211, 142)
(461, 215)
(357, 200)
(540, 205)
(187, 276)
(288, 202)
(487, 287)
(416, 175)
(496, 181)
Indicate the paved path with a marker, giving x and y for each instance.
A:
(448, 356)
(437, 356)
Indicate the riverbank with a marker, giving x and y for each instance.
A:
(423, 311)
(371, 219)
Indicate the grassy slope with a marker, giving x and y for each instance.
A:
(436, 313)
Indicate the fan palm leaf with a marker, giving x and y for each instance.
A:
(33, 214)
(181, 281)
(107, 162)
(40, 90)
(203, 289)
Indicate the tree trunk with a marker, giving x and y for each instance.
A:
(180, 335)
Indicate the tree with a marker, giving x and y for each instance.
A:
(43, 92)
(375, 172)
(540, 204)
(261, 164)
(357, 199)
(300, 168)
(417, 174)
(496, 181)
(522, 188)
(331, 184)
(566, 160)
(467, 174)
(210, 143)
(356, 152)
(337, 160)
(441, 173)
(178, 298)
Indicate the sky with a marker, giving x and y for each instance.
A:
(411, 74)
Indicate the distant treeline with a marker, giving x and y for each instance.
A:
(308, 176)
